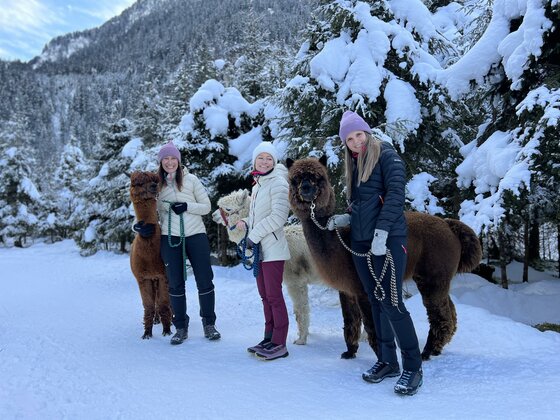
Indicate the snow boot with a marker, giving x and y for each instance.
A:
(272, 351)
(180, 336)
(380, 371)
(259, 346)
(409, 382)
(211, 333)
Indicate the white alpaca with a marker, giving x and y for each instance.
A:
(299, 271)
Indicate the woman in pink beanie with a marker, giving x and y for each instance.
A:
(182, 201)
(375, 187)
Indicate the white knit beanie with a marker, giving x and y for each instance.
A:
(265, 147)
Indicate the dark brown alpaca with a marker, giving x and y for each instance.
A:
(145, 260)
(437, 250)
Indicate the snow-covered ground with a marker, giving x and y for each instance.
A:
(70, 348)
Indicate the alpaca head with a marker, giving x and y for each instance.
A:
(232, 208)
(309, 183)
(143, 186)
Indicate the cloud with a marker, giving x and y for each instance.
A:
(27, 25)
(103, 10)
(27, 16)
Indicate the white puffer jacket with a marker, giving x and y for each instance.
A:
(198, 204)
(269, 212)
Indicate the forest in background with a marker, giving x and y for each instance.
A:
(73, 124)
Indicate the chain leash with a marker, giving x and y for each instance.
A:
(181, 236)
(378, 292)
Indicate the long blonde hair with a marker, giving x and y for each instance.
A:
(366, 162)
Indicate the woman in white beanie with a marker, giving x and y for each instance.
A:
(182, 201)
(268, 213)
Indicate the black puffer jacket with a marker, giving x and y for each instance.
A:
(378, 203)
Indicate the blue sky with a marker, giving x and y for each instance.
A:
(27, 25)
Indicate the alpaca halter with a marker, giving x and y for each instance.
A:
(225, 217)
(378, 292)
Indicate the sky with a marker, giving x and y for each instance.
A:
(71, 347)
(26, 26)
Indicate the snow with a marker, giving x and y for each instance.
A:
(70, 347)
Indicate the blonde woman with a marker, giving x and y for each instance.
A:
(375, 181)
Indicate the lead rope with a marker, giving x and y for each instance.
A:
(181, 235)
(378, 292)
(241, 249)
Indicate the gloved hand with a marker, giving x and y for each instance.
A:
(379, 243)
(341, 220)
(145, 230)
(179, 208)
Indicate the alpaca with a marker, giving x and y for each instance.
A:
(299, 270)
(437, 250)
(145, 260)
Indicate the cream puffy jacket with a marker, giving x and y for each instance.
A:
(198, 204)
(268, 213)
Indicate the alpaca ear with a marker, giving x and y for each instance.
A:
(323, 160)
(289, 163)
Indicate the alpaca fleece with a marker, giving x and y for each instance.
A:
(437, 250)
(145, 259)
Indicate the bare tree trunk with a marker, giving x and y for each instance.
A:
(503, 257)
(534, 243)
(526, 253)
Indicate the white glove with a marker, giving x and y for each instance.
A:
(379, 243)
(340, 220)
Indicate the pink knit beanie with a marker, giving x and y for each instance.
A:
(169, 150)
(349, 122)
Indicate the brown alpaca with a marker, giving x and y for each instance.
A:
(437, 250)
(145, 260)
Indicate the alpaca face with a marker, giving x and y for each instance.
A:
(232, 208)
(143, 186)
(309, 183)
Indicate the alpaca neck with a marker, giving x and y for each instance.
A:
(146, 211)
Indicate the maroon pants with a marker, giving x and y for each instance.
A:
(269, 283)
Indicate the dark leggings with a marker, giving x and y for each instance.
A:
(198, 253)
(390, 322)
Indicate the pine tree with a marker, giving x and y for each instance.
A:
(349, 61)
(70, 179)
(520, 106)
(20, 199)
(104, 212)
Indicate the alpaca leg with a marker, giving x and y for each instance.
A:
(441, 316)
(157, 319)
(164, 306)
(369, 326)
(148, 302)
(352, 324)
(297, 289)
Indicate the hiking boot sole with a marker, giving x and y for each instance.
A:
(269, 358)
(376, 381)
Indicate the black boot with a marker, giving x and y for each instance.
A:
(409, 382)
(380, 371)
(180, 336)
(211, 333)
